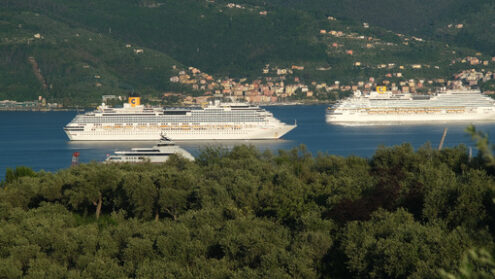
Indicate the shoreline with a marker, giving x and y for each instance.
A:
(292, 104)
(40, 109)
(84, 109)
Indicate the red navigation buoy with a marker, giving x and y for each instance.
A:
(75, 158)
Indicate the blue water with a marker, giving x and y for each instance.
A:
(36, 139)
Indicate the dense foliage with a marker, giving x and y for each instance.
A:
(246, 214)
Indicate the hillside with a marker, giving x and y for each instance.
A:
(198, 33)
(429, 19)
(50, 58)
(92, 48)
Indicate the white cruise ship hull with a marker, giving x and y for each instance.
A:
(134, 122)
(386, 108)
(355, 119)
(154, 134)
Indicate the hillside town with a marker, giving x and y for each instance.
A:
(281, 85)
(278, 84)
(36, 105)
(284, 86)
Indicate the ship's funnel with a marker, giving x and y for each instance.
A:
(381, 89)
(134, 101)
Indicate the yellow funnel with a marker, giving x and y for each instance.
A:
(134, 101)
(381, 89)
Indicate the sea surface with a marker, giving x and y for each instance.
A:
(37, 139)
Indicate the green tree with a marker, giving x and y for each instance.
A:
(21, 171)
(483, 144)
(476, 263)
(142, 194)
(394, 245)
(92, 184)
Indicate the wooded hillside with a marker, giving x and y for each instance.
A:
(73, 52)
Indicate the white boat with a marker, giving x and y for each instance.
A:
(217, 121)
(382, 107)
(156, 154)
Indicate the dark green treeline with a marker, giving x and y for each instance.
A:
(247, 214)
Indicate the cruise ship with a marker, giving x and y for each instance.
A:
(217, 121)
(156, 154)
(382, 107)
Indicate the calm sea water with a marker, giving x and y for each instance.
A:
(36, 139)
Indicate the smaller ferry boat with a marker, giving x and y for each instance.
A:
(156, 154)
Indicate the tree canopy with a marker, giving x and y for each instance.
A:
(242, 213)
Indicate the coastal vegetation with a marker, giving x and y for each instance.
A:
(242, 213)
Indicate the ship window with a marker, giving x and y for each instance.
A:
(174, 112)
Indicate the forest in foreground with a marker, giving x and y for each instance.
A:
(242, 213)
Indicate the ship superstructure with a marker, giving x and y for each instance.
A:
(156, 154)
(382, 106)
(216, 121)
